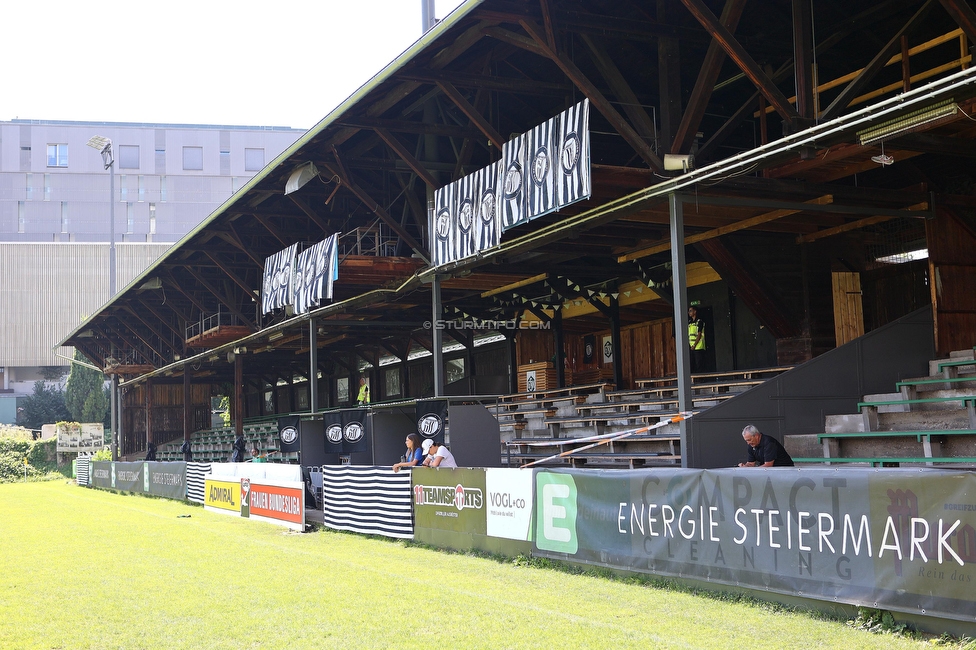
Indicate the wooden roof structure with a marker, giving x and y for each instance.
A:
(767, 98)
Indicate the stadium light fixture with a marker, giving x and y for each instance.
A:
(300, 177)
(104, 146)
(913, 121)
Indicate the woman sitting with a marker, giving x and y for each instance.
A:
(414, 455)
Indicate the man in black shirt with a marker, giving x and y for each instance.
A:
(764, 451)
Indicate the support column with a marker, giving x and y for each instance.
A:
(803, 60)
(512, 360)
(681, 342)
(114, 417)
(618, 366)
(239, 394)
(669, 81)
(437, 335)
(187, 405)
(149, 408)
(313, 362)
(559, 344)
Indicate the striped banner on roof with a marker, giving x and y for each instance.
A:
(369, 500)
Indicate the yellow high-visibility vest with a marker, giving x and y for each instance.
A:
(693, 332)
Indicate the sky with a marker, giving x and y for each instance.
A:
(242, 62)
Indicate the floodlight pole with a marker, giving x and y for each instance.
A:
(111, 221)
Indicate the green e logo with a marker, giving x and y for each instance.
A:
(556, 519)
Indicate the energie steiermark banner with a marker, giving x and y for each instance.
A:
(900, 539)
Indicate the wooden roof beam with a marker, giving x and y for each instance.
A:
(407, 157)
(270, 227)
(964, 16)
(707, 76)
(512, 85)
(248, 289)
(596, 98)
(220, 297)
(871, 69)
(472, 113)
(310, 213)
(737, 53)
(854, 225)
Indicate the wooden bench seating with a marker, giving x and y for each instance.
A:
(555, 393)
(697, 389)
(631, 460)
(966, 399)
(765, 373)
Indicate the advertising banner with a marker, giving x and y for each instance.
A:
(101, 474)
(129, 477)
(509, 513)
(166, 479)
(901, 540)
(449, 499)
(222, 495)
(278, 502)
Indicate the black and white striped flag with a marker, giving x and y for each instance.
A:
(487, 226)
(444, 226)
(573, 182)
(511, 192)
(278, 275)
(540, 163)
(466, 194)
(315, 271)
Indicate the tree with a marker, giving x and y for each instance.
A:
(45, 406)
(85, 394)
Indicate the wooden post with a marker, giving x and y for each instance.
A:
(149, 408)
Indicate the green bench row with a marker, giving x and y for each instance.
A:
(875, 461)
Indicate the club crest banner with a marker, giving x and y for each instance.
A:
(315, 271)
(278, 276)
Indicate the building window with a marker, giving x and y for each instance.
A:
(142, 188)
(152, 218)
(21, 216)
(193, 158)
(64, 216)
(253, 160)
(128, 156)
(123, 189)
(160, 160)
(57, 155)
(392, 382)
(342, 390)
(224, 162)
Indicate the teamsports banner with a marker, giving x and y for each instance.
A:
(901, 540)
(449, 499)
(431, 418)
(165, 479)
(368, 500)
(278, 277)
(316, 269)
(129, 477)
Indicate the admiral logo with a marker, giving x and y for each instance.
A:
(353, 431)
(222, 495)
(442, 495)
(334, 433)
(429, 425)
(289, 435)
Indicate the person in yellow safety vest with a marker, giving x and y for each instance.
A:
(696, 340)
(363, 398)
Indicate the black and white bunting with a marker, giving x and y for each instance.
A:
(278, 276)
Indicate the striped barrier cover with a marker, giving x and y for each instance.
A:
(194, 481)
(369, 500)
(82, 470)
